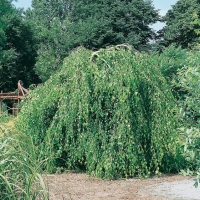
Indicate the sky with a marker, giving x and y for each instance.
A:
(162, 5)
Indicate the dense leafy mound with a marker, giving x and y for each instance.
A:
(109, 113)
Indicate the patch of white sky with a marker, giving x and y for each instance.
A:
(162, 5)
(22, 3)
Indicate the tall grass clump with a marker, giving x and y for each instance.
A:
(5, 117)
(19, 170)
(109, 113)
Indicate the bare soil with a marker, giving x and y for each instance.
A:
(73, 186)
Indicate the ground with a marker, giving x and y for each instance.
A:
(81, 187)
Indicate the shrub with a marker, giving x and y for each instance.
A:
(174, 60)
(188, 82)
(110, 113)
(171, 60)
(190, 149)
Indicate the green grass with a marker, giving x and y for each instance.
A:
(19, 169)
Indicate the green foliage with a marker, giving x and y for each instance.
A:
(170, 60)
(19, 177)
(188, 82)
(196, 22)
(17, 55)
(109, 113)
(179, 28)
(48, 22)
(113, 22)
(190, 149)
(62, 25)
(4, 117)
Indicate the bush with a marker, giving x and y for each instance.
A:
(188, 82)
(110, 113)
(171, 60)
(190, 149)
(174, 60)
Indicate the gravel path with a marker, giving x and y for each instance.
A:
(80, 187)
(180, 190)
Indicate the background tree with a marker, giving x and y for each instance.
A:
(179, 28)
(197, 22)
(17, 55)
(61, 25)
(112, 22)
(47, 19)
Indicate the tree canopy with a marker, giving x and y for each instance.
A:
(17, 55)
(111, 22)
(180, 28)
(63, 25)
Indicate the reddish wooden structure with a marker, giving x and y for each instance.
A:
(15, 97)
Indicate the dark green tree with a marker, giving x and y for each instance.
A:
(180, 28)
(97, 24)
(62, 25)
(48, 22)
(17, 55)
